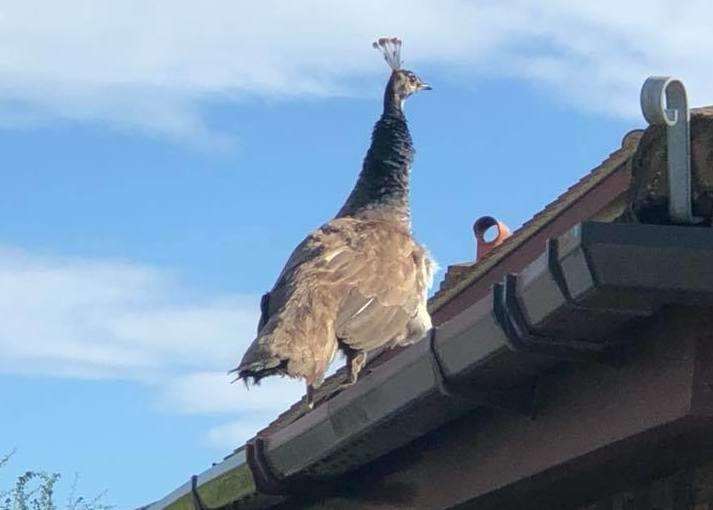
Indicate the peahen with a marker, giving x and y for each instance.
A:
(360, 281)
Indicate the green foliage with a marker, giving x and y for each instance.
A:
(34, 490)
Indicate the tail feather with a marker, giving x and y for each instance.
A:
(258, 363)
(252, 373)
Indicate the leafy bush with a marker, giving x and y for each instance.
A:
(34, 490)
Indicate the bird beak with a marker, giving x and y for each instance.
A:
(424, 86)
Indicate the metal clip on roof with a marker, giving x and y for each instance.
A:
(265, 479)
(195, 497)
(664, 102)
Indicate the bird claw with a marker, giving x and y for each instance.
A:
(310, 398)
(346, 384)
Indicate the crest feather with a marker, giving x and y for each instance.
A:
(391, 48)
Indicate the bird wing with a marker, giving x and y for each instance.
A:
(382, 282)
(373, 269)
(359, 281)
(307, 254)
(264, 311)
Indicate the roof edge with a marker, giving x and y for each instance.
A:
(613, 163)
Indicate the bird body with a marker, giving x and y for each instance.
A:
(353, 283)
(360, 281)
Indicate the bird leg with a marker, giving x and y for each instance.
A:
(310, 397)
(355, 362)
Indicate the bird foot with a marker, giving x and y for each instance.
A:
(310, 398)
(347, 384)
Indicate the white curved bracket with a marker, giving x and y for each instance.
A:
(664, 102)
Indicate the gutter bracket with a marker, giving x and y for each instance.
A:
(553, 264)
(195, 497)
(438, 372)
(265, 480)
(664, 102)
(520, 339)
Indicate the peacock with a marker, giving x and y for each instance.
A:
(360, 281)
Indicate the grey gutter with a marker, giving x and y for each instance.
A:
(233, 469)
(569, 304)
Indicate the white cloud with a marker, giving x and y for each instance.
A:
(207, 393)
(250, 410)
(97, 319)
(108, 319)
(234, 433)
(596, 55)
(152, 65)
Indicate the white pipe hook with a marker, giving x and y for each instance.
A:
(664, 102)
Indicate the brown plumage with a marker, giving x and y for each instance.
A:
(360, 281)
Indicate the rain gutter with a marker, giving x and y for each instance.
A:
(571, 303)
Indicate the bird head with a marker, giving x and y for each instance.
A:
(403, 82)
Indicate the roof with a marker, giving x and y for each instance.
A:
(576, 286)
(592, 195)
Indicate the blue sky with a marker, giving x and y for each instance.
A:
(159, 164)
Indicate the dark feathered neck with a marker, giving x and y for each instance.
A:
(383, 184)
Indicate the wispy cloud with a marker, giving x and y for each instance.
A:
(207, 393)
(151, 65)
(105, 319)
(232, 433)
(247, 410)
(113, 320)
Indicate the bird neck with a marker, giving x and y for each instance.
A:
(382, 189)
(393, 104)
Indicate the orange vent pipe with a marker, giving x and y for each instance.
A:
(481, 226)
